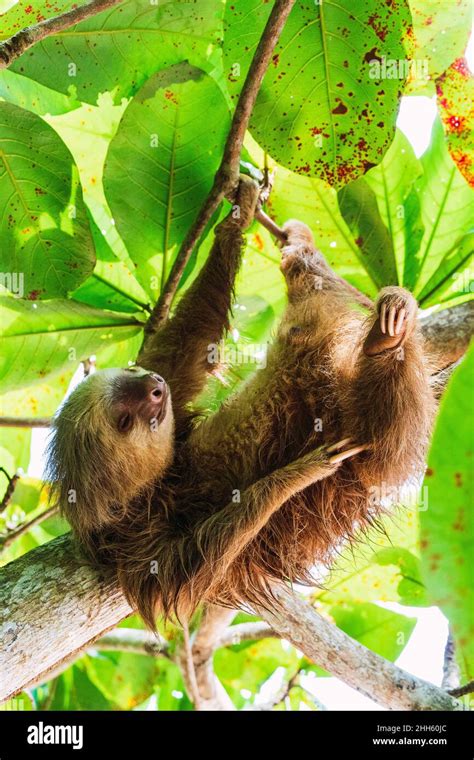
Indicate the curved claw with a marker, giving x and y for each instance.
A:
(342, 455)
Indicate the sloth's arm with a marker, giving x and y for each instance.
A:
(221, 538)
(182, 351)
(306, 271)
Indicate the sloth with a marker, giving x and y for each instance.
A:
(189, 507)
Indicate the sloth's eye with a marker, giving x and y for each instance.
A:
(125, 422)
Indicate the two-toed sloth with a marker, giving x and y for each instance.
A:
(191, 508)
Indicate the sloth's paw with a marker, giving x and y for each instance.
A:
(396, 317)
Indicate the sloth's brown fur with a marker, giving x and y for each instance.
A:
(183, 535)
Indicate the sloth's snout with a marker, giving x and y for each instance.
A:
(156, 388)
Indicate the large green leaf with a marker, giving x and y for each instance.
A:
(161, 163)
(411, 219)
(26, 93)
(111, 285)
(44, 228)
(455, 92)
(312, 201)
(125, 679)
(45, 337)
(382, 210)
(399, 207)
(454, 278)
(447, 209)
(382, 566)
(382, 631)
(118, 49)
(447, 527)
(326, 108)
(441, 31)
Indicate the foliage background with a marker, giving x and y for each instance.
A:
(110, 134)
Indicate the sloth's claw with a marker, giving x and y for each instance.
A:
(339, 445)
(397, 310)
(391, 321)
(342, 455)
(400, 320)
(383, 309)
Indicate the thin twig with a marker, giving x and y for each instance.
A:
(189, 668)
(12, 481)
(25, 422)
(15, 46)
(461, 691)
(5, 541)
(227, 176)
(134, 641)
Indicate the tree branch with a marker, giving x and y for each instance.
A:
(133, 641)
(53, 606)
(227, 176)
(10, 537)
(15, 46)
(448, 332)
(214, 623)
(451, 674)
(461, 691)
(328, 646)
(25, 422)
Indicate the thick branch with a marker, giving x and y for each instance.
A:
(214, 623)
(328, 646)
(448, 332)
(53, 606)
(227, 175)
(15, 46)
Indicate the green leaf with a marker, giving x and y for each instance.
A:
(454, 277)
(14, 449)
(447, 210)
(26, 93)
(326, 108)
(455, 91)
(358, 204)
(441, 31)
(393, 184)
(447, 526)
(111, 285)
(381, 566)
(118, 49)
(382, 631)
(249, 667)
(315, 203)
(125, 679)
(45, 337)
(382, 210)
(23, 13)
(46, 235)
(161, 162)
(74, 690)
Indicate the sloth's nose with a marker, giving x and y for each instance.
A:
(157, 390)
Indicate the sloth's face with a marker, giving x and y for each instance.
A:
(136, 397)
(112, 437)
